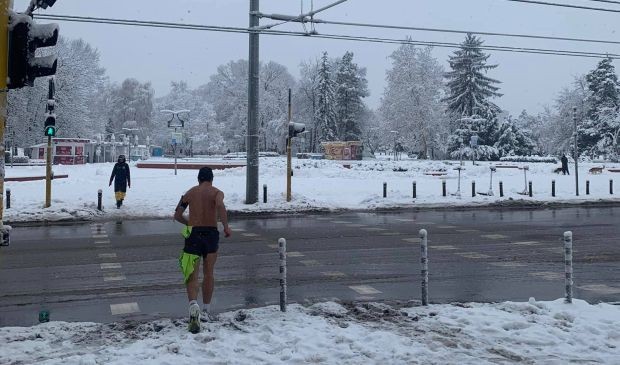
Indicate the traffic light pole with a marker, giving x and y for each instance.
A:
(289, 152)
(48, 174)
(4, 70)
(251, 192)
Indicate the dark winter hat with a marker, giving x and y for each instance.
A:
(205, 174)
(121, 158)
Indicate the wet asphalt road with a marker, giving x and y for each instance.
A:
(111, 271)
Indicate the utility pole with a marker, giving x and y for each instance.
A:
(251, 193)
(4, 70)
(576, 153)
(289, 152)
(48, 162)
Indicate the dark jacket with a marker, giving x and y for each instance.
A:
(121, 176)
(564, 161)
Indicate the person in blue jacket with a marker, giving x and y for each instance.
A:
(122, 180)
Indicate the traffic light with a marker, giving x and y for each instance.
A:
(45, 3)
(50, 125)
(295, 128)
(25, 37)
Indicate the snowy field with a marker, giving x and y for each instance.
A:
(330, 333)
(319, 184)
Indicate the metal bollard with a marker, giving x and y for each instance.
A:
(282, 251)
(530, 188)
(424, 262)
(473, 189)
(385, 190)
(501, 189)
(443, 187)
(8, 198)
(99, 195)
(568, 266)
(415, 192)
(587, 187)
(553, 188)
(611, 187)
(265, 193)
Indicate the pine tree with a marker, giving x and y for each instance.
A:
(469, 94)
(351, 87)
(599, 130)
(326, 106)
(513, 140)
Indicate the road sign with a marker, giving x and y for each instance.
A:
(473, 141)
(176, 138)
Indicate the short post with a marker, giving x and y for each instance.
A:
(553, 188)
(415, 192)
(587, 187)
(443, 187)
(473, 189)
(99, 195)
(385, 190)
(265, 193)
(8, 198)
(424, 262)
(530, 188)
(282, 251)
(501, 189)
(611, 187)
(568, 266)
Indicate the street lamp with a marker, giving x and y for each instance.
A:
(181, 116)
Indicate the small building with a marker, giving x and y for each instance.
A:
(65, 151)
(352, 150)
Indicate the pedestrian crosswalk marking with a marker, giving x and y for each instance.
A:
(356, 225)
(494, 236)
(412, 240)
(446, 227)
(107, 255)
(249, 234)
(467, 230)
(526, 243)
(334, 274)
(124, 308)
(374, 229)
(365, 289)
(103, 246)
(116, 277)
(389, 234)
(273, 245)
(100, 236)
(310, 262)
(548, 275)
(473, 255)
(443, 247)
(405, 220)
(600, 288)
(102, 242)
(342, 222)
(111, 265)
(508, 264)
(295, 254)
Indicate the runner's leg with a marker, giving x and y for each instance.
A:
(193, 285)
(209, 281)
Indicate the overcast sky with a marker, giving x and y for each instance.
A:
(164, 55)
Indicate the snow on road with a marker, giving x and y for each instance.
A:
(330, 333)
(317, 184)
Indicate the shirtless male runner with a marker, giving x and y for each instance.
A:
(205, 203)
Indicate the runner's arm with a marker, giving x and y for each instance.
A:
(221, 212)
(180, 209)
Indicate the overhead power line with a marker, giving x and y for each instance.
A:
(169, 25)
(565, 5)
(605, 1)
(457, 31)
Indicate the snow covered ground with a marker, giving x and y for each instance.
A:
(317, 184)
(362, 333)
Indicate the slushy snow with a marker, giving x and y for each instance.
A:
(331, 333)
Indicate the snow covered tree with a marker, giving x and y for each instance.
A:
(326, 103)
(512, 140)
(79, 83)
(598, 129)
(131, 101)
(306, 99)
(411, 104)
(351, 87)
(469, 94)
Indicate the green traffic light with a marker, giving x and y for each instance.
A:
(50, 131)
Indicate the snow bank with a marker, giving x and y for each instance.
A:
(331, 333)
(317, 184)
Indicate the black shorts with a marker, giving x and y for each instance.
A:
(202, 241)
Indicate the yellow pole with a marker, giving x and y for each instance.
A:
(4, 70)
(288, 152)
(48, 174)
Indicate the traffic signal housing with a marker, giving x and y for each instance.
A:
(25, 37)
(50, 125)
(295, 128)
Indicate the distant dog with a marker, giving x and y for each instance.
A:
(557, 170)
(596, 170)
